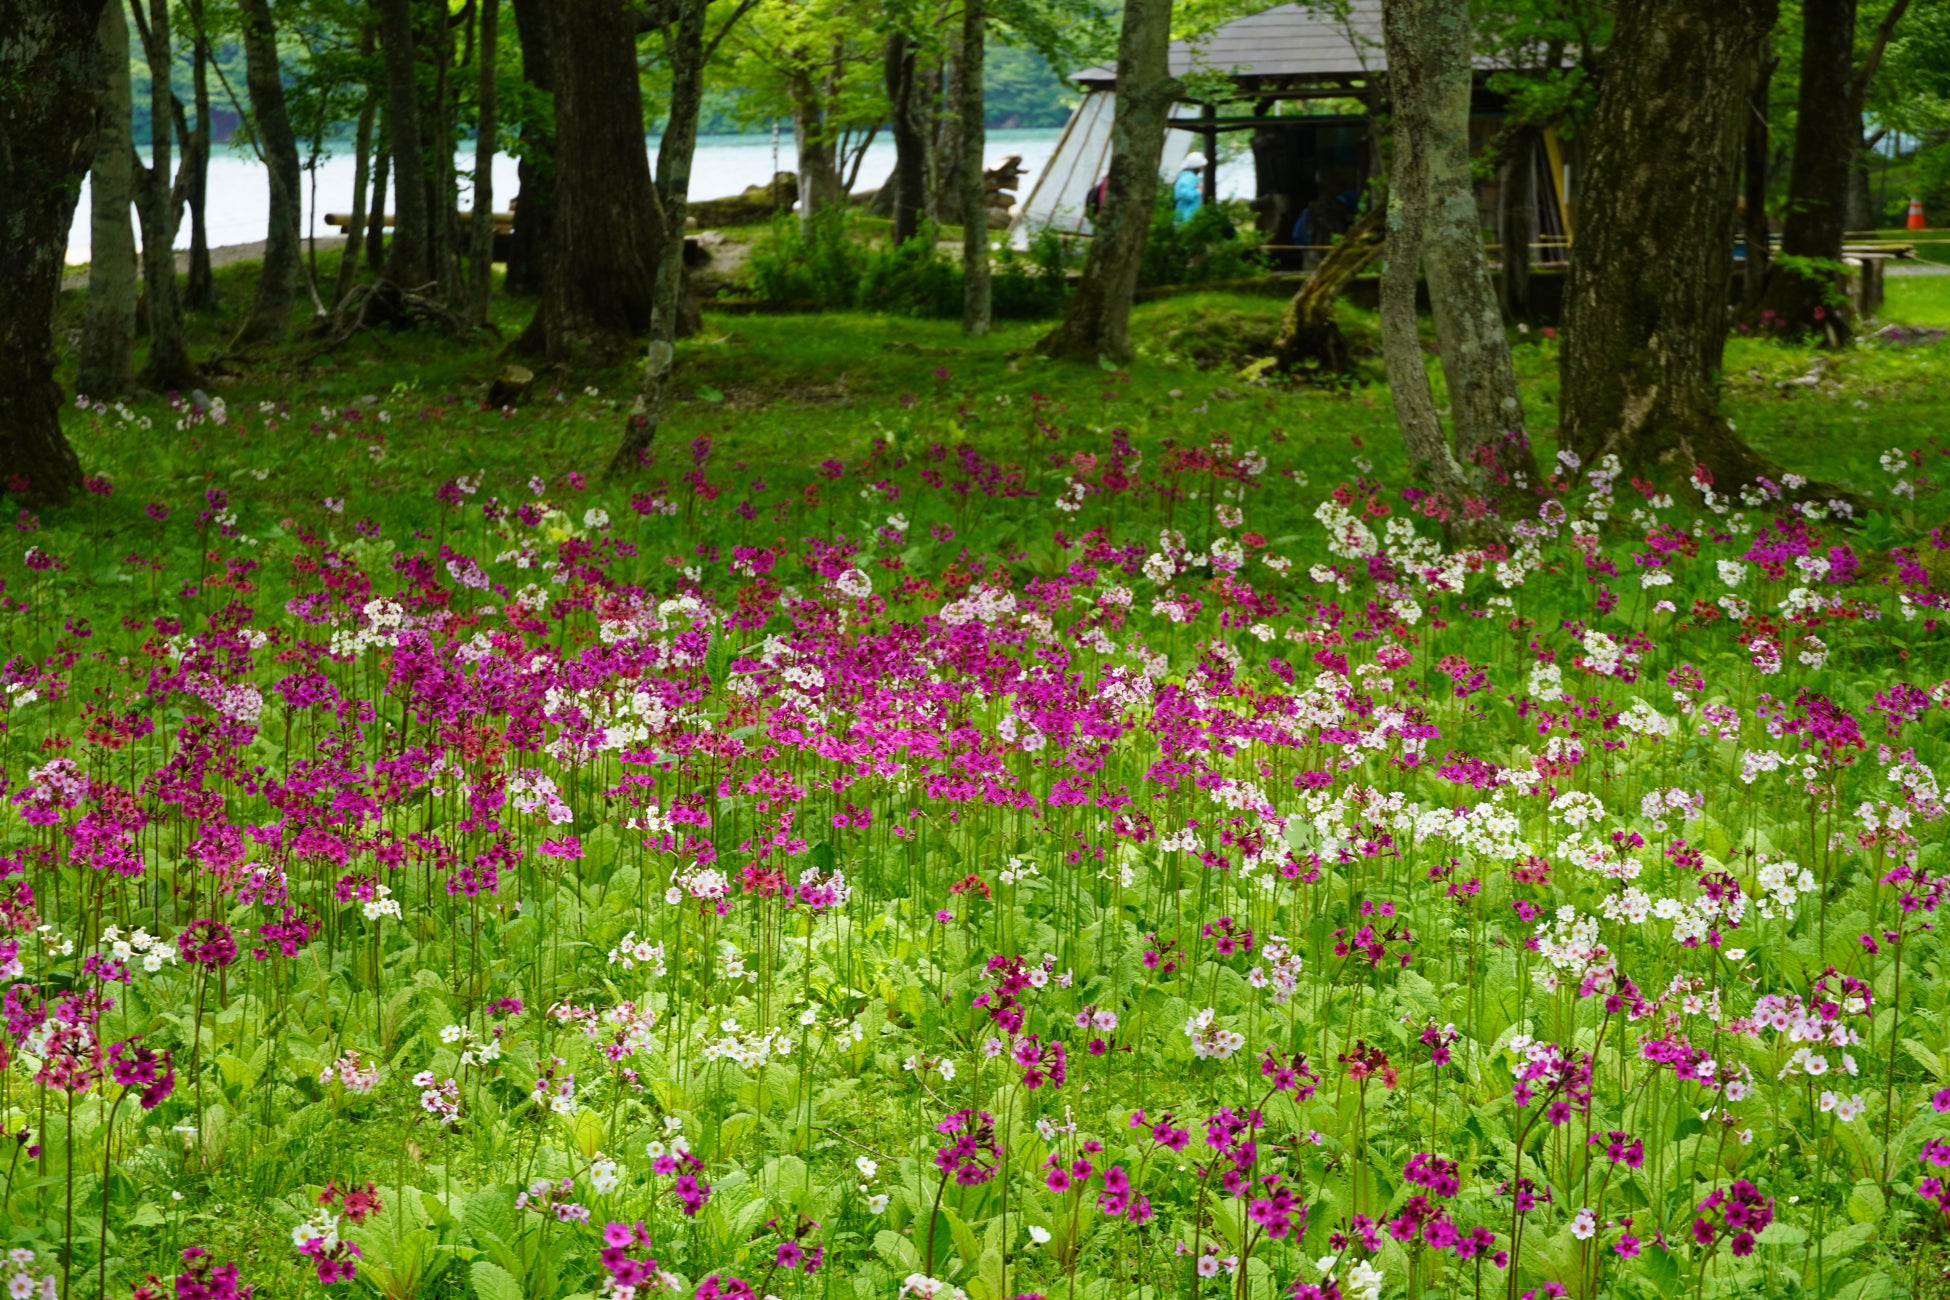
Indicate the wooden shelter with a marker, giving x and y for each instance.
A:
(1316, 78)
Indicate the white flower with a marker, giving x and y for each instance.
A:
(1038, 1234)
(1732, 572)
(867, 1167)
(603, 1175)
(877, 1203)
(595, 517)
(1363, 1281)
(1584, 1224)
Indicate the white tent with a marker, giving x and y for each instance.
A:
(1082, 157)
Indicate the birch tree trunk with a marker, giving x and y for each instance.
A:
(108, 332)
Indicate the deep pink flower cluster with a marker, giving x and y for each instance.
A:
(1736, 1215)
(971, 1157)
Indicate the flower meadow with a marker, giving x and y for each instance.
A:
(969, 867)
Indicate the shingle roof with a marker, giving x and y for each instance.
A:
(1290, 42)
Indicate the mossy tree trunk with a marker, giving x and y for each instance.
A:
(159, 205)
(909, 183)
(974, 192)
(535, 201)
(1310, 337)
(1412, 93)
(1098, 320)
(50, 75)
(108, 333)
(270, 312)
(1433, 225)
(409, 261)
(1645, 317)
(1803, 287)
(599, 284)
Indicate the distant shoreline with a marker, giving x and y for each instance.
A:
(76, 277)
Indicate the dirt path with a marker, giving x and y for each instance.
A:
(229, 254)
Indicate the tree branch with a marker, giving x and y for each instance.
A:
(1866, 74)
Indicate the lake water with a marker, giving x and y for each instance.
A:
(239, 202)
(724, 165)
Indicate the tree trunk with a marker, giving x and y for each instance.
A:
(534, 172)
(50, 64)
(1801, 297)
(200, 289)
(270, 312)
(1098, 320)
(819, 173)
(1417, 88)
(443, 187)
(481, 250)
(410, 263)
(974, 190)
(1645, 316)
(108, 334)
(944, 195)
(1861, 205)
(1310, 335)
(159, 205)
(684, 46)
(606, 230)
(908, 187)
(1756, 151)
(355, 231)
(1486, 411)
(1517, 221)
(382, 165)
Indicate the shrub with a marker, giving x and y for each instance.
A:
(814, 265)
(1217, 243)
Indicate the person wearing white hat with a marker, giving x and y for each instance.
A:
(1188, 192)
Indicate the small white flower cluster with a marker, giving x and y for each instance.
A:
(604, 1176)
(1210, 1040)
(474, 1049)
(382, 904)
(752, 1051)
(631, 952)
(150, 951)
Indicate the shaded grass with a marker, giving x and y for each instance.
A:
(772, 391)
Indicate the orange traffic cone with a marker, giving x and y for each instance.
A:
(1916, 214)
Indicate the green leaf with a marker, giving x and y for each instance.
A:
(898, 1251)
(709, 394)
(492, 1282)
(1778, 1233)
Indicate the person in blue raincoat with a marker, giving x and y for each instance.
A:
(1188, 192)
